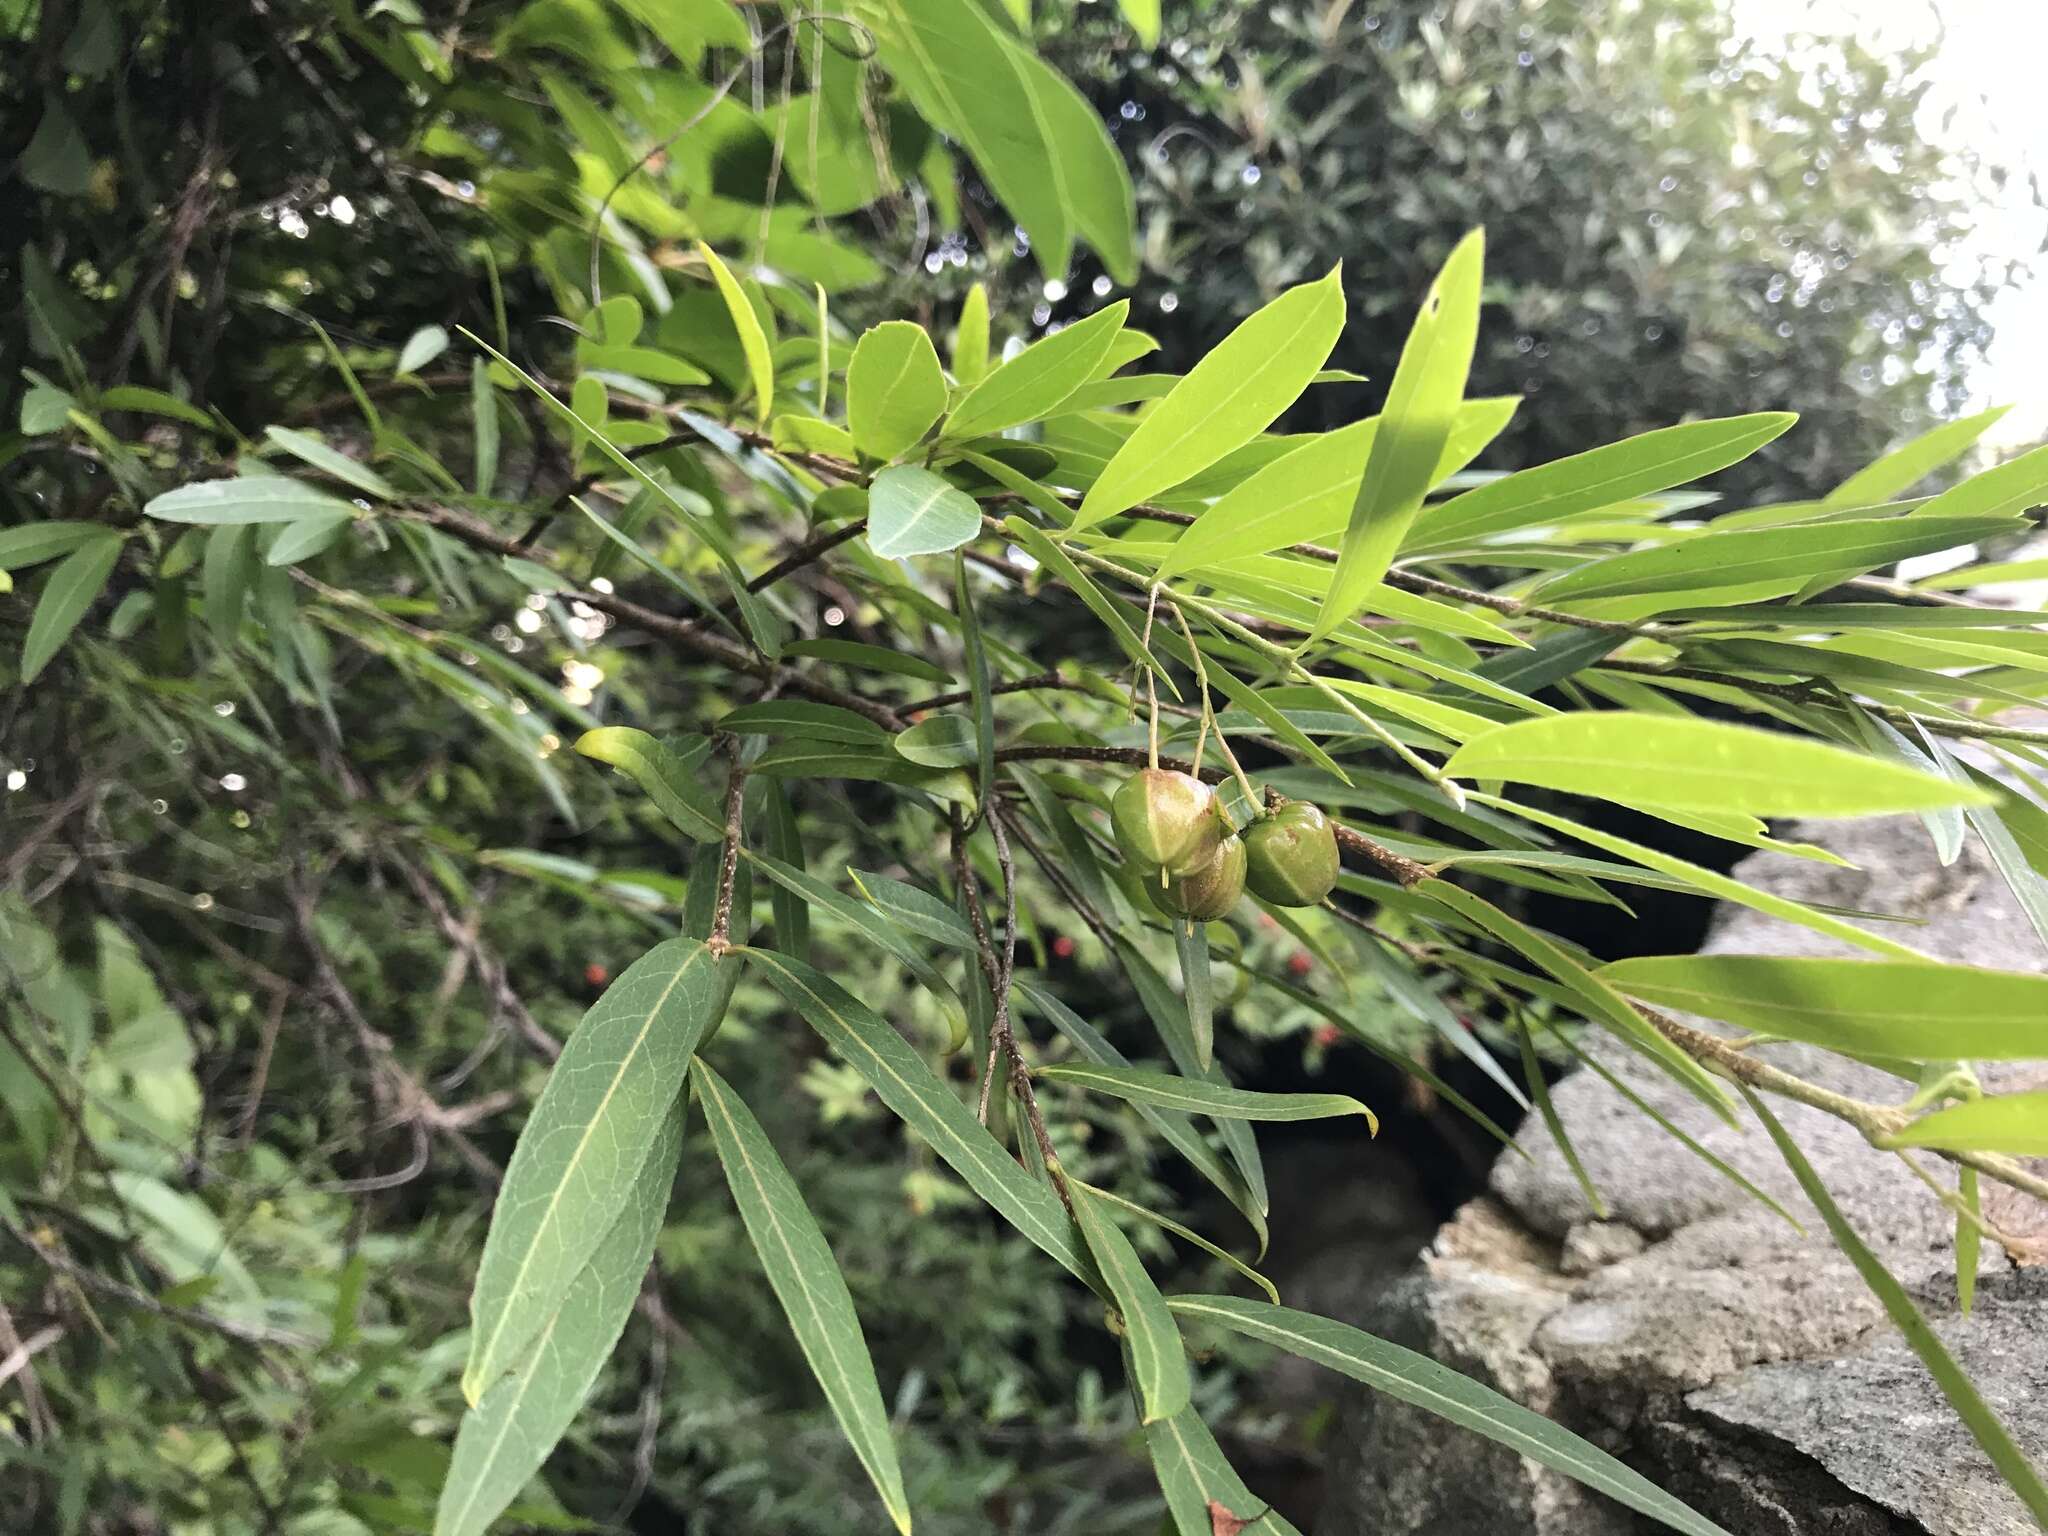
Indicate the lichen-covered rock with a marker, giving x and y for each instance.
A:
(1739, 1362)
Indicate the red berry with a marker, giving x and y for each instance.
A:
(1300, 962)
(1063, 947)
(597, 975)
(1328, 1034)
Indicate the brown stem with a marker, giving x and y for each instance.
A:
(728, 859)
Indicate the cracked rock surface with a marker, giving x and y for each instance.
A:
(1735, 1360)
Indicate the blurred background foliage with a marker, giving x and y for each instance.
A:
(1679, 227)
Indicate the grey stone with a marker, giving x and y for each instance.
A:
(1692, 1331)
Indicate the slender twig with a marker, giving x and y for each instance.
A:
(1031, 684)
(728, 858)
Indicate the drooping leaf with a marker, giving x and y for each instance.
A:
(1230, 396)
(673, 783)
(1703, 765)
(1984, 1424)
(1919, 1011)
(596, 1122)
(1159, 1362)
(806, 1279)
(974, 652)
(915, 512)
(1422, 405)
(1199, 1097)
(483, 410)
(67, 593)
(895, 389)
(1198, 1482)
(1191, 946)
(916, 1095)
(508, 1433)
(1422, 1383)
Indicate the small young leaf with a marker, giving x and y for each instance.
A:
(806, 1280)
(895, 389)
(970, 338)
(915, 512)
(1159, 1362)
(421, 348)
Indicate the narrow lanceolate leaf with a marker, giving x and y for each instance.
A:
(69, 591)
(33, 543)
(306, 538)
(1193, 1096)
(895, 389)
(483, 410)
(2012, 1123)
(915, 1094)
(2016, 486)
(1113, 615)
(1921, 1011)
(1532, 1070)
(672, 781)
(1229, 397)
(1203, 1492)
(1422, 403)
(1087, 172)
(256, 499)
(1752, 555)
(1906, 466)
(310, 450)
(597, 1120)
(753, 340)
(804, 719)
(1700, 765)
(915, 512)
(1174, 1128)
(1637, 466)
(508, 1434)
(1984, 1425)
(1034, 383)
(1159, 1362)
(806, 1280)
(1421, 1382)
(1595, 998)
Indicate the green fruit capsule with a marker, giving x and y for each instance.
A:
(1291, 856)
(1166, 820)
(1207, 893)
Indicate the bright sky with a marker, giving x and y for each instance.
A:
(1989, 70)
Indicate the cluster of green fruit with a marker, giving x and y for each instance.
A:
(1173, 829)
